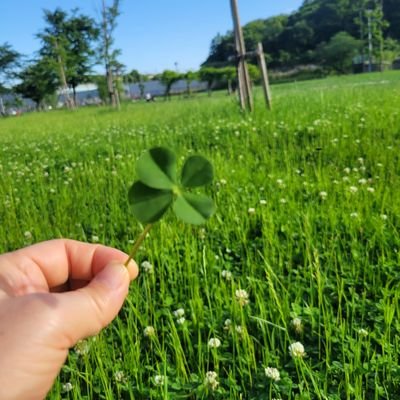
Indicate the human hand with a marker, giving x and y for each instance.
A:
(53, 294)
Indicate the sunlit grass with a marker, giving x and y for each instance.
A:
(307, 225)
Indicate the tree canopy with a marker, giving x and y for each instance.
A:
(299, 37)
(8, 61)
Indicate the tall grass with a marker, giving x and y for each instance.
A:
(307, 225)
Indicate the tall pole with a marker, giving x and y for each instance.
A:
(244, 84)
(264, 75)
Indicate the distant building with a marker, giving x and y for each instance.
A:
(362, 64)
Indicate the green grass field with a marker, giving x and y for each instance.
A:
(308, 208)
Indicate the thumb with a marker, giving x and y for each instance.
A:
(84, 312)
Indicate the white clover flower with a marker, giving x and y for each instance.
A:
(95, 238)
(222, 181)
(239, 329)
(354, 215)
(362, 181)
(283, 201)
(180, 312)
(323, 195)
(214, 343)
(28, 235)
(211, 380)
(384, 217)
(363, 332)
(296, 350)
(347, 170)
(147, 267)
(149, 331)
(251, 210)
(370, 189)
(279, 182)
(297, 325)
(227, 324)
(181, 320)
(226, 274)
(360, 160)
(353, 189)
(67, 387)
(159, 380)
(345, 179)
(263, 202)
(82, 347)
(273, 374)
(242, 297)
(119, 376)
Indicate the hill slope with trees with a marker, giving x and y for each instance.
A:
(319, 32)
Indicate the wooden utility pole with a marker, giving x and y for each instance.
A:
(264, 75)
(244, 84)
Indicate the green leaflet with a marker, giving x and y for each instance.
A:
(149, 204)
(157, 168)
(197, 171)
(193, 208)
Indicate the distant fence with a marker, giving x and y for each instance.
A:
(156, 88)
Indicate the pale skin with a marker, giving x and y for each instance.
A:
(53, 294)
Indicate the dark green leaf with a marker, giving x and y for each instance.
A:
(197, 171)
(193, 208)
(149, 204)
(157, 168)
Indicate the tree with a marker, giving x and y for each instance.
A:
(38, 81)
(67, 43)
(81, 32)
(189, 77)
(229, 74)
(8, 62)
(338, 54)
(110, 55)
(209, 75)
(168, 78)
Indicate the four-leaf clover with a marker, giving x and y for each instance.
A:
(158, 187)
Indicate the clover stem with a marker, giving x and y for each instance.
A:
(137, 244)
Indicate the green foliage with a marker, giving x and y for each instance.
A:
(157, 187)
(38, 81)
(8, 62)
(338, 54)
(292, 40)
(168, 78)
(307, 224)
(67, 41)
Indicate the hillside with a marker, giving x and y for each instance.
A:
(311, 34)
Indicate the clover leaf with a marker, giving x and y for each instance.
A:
(157, 189)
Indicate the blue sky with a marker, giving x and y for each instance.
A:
(153, 34)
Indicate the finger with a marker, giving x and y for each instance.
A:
(50, 264)
(84, 312)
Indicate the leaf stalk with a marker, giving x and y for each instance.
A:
(137, 244)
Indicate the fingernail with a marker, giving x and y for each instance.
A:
(113, 275)
(133, 269)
